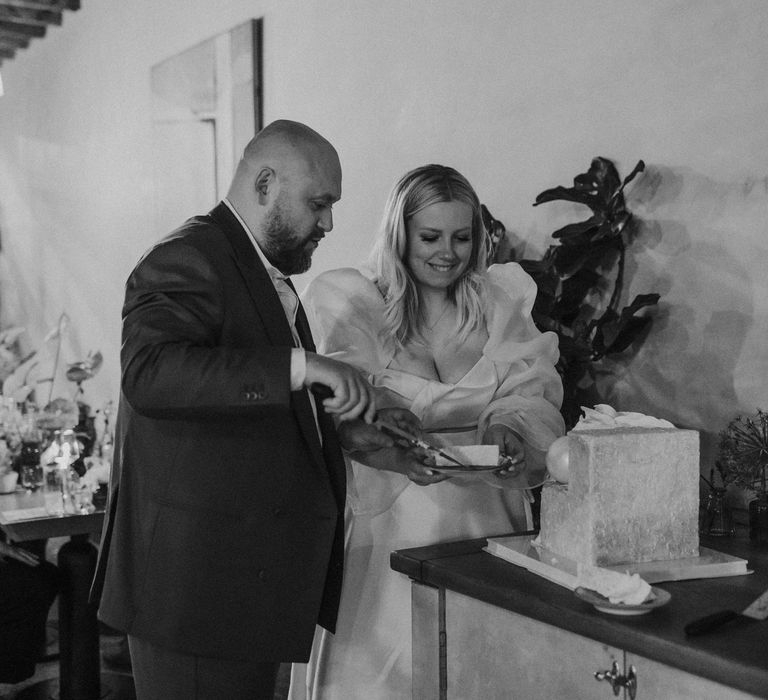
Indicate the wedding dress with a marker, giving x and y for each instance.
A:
(514, 382)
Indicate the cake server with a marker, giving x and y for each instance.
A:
(412, 440)
(756, 610)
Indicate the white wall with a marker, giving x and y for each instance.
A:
(519, 95)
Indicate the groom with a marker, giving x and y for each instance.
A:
(223, 543)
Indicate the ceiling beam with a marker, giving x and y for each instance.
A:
(22, 20)
(19, 15)
(4, 46)
(22, 29)
(13, 39)
(43, 4)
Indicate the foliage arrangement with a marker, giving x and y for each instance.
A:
(583, 267)
(78, 372)
(744, 451)
(23, 378)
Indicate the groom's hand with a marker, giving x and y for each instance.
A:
(351, 395)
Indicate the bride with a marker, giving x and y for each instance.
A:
(442, 335)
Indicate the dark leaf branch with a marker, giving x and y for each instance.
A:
(576, 273)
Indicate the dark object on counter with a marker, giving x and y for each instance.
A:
(757, 610)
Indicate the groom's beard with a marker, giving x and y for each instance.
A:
(287, 250)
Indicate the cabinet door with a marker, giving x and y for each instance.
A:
(656, 680)
(496, 654)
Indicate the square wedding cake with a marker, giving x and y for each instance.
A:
(632, 496)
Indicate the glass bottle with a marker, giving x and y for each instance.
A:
(30, 467)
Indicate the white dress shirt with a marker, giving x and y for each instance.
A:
(290, 303)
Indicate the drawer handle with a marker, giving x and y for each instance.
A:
(618, 680)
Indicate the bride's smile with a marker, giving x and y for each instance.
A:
(439, 244)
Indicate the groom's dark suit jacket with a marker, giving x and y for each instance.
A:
(224, 535)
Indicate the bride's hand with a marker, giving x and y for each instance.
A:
(417, 465)
(510, 445)
(359, 436)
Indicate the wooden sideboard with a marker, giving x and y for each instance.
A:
(484, 628)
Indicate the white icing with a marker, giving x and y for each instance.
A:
(617, 587)
(603, 417)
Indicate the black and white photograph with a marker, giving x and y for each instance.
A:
(383, 350)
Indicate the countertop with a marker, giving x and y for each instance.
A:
(735, 655)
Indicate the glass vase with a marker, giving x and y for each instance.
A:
(717, 519)
(758, 520)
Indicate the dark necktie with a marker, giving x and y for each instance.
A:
(303, 335)
(302, 324)
(325, 424)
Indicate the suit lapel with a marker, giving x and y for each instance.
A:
(256, 278)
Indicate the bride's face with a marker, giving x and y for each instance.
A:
(439, 244)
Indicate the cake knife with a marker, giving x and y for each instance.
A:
(756, 610)
(394, 431)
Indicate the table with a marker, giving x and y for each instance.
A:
(472, 608)
(23, 518)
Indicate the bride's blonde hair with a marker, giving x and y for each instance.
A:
(417, 189)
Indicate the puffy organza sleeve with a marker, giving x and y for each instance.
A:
(530, 391)
(346, 314)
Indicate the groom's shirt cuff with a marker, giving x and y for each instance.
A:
(298, 368)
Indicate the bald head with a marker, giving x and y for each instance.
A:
(285, 184)
(286, 142)
(287, 148)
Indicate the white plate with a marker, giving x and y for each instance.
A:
(456, 470)
(453, 470)
(657, 598)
